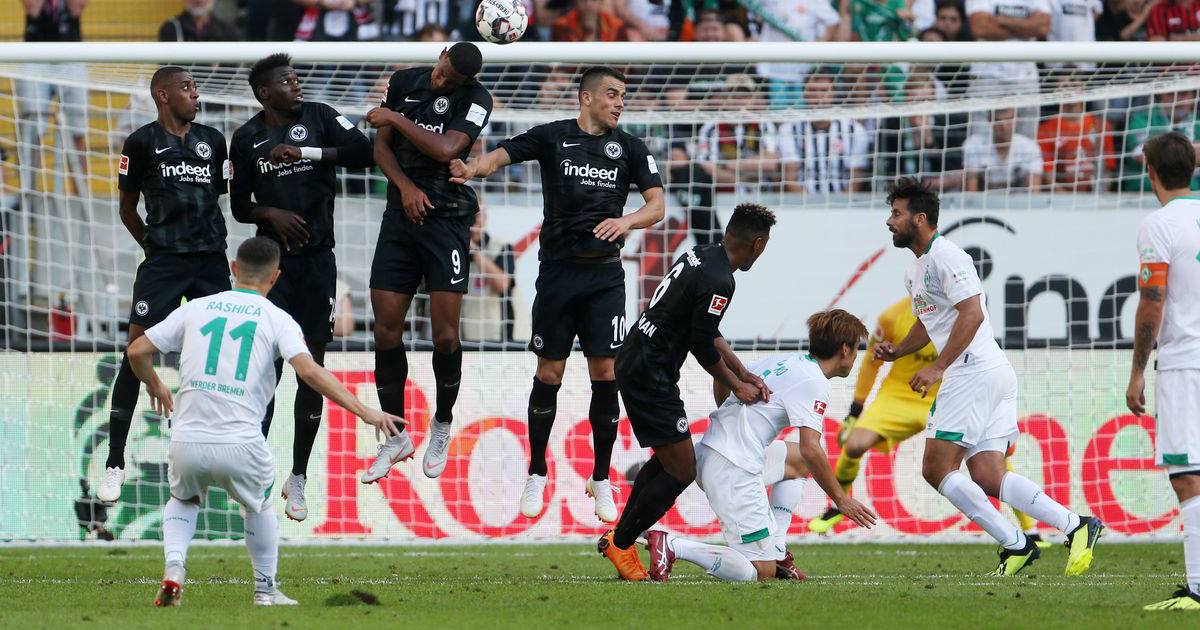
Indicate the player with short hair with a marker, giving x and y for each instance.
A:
(286, 160)
(180, 167)
(429, 116)
(228, 343)
(975, 414)
(740, 457)
(683, 316)
(1168, 284)
(587, 166)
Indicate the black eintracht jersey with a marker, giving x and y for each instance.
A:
(684, 315)
(466, 110)
(306, 187)
(181, 179)
(585, 180)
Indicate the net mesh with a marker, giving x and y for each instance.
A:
(1041, 181)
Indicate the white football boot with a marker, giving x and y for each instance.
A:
(434, 461)
(531, 496)
(394, 449)
(274, 598)
(296, 507)
(110, 485)
(602, 492)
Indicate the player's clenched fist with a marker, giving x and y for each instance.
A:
(380, 116)
(886, 351)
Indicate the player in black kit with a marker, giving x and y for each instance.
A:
(180, 167)
(429, 117)
(683, 316)
(587, 168)
(286, 156)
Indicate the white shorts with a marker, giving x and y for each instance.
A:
(976, 407)
(1177, 419)
(246, 471)
(739, 499)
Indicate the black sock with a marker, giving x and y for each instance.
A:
(270, 415)
(653, 502)
(309, 404)
(391, 376)
(651, 469)
(447, 373)
(124, 398)
(603, 415)
(543, 404)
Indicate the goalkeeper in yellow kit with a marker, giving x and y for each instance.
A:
(896, 414)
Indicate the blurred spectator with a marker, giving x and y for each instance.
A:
(197, 24)
(697, 82)
(1171, 111)
(557, 92)
(922, 145)
(1174, 20)
(1124, 20)
(951, 20)
(651, 18)
(948, 78)
(878, 20)
(589, 22)
(1074, 20)
(431, 33)
(488, 310)
(799, 20)
(337, 21)
(924, 14)
(1077, 147)
(824, 156)
(1006, 20)
(272, 20)
(402, 19)
(1001, 158)
(744, 152)
(343, 310)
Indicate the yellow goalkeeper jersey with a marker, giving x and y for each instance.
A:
(893, 325)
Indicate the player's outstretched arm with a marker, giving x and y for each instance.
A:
(462, 172)
(141, 353)
(130, 217)
(651, 212)
(818, 466)
(328, 386)
(1146, 324)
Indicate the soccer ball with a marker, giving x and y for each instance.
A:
(501, 21)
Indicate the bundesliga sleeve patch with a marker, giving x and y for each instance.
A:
(123, 165)
(961, 274)
(476, 114)
(717, 305)
(1153, 275)
(346, 124)
(227, 170)
(651, 164)
(819, 407)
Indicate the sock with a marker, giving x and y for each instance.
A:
(969, 498)
(1189, 512)
(719, 561)
(178, 528)
(846, 470)
(391, 377)
(649, 470)
(543, 404)
(309, 404)
(603, 415)
(124, 398)
(1025, 496)
(652, 503)
(447, 373)
(785, 496)
(1027, 524)
(262, 541)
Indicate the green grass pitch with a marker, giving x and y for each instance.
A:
(570, 586)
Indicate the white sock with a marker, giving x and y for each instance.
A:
(1024, 495)
(262, 541)
(969, 498)
(1190, 512)
(178, 528)
(718, 560)
(785, 496)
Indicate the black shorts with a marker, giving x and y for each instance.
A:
(584, 299)
(305, 291)
(437, 251)
(655, 409)
(164, 280)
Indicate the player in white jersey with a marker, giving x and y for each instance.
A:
(1169, 284)
(974, 416)
(228, 343)
(739, 457)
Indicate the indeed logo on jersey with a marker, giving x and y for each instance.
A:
(590, 175)
(438, 128)
(265, 166)
(185, 172)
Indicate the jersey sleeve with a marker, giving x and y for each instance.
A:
(957, 277)
(167, 335)
(131, 168)
(805, 403)
(471, 113)
(241, 186)
(221, 164)
(339, 131)
(645, 170)
(392, 95)
(529, 145)
(290, 340)
(709, 303)
(1154, 252)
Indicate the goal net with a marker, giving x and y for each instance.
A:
(1034, 147)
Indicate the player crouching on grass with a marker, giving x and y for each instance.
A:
(739, 457)
(228, 344)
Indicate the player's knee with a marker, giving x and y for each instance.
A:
(601, 370)
(387, 337)
(551, 372)
(445, 339)
(933, 472)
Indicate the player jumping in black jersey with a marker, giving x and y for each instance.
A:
(180, 167)
(286, 160)
(587, 168)
(429, 117)
(683, 316)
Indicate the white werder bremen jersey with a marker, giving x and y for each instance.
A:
(1171, 235)
(799, 395)
(228, 344)
(938, 280)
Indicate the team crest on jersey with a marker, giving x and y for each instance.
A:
(682, 425)
(123, 165)
(717, 305)
(203, 150)
(141, 308)
(613, 150)
(441, 105)
(298, 133)
(819, 407)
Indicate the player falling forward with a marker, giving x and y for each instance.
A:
(1168, 284)
(228, 344)
(896, 414)
(286, 156)
(587, 168)
(975, 414)
(429, 117)
(180, 167)
(739, 457)
(683, 316)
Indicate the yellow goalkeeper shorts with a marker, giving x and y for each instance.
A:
(894, 419)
